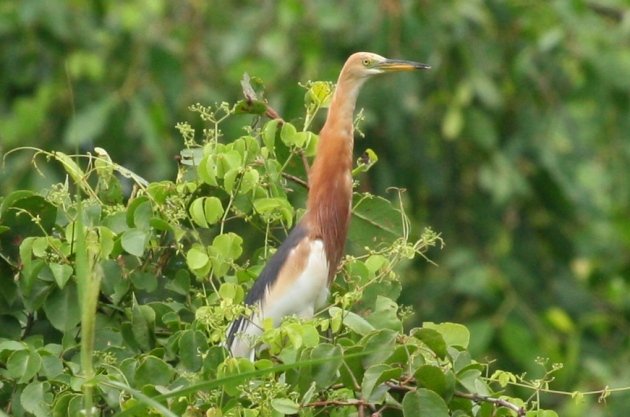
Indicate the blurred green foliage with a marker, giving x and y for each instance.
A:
(515, 146)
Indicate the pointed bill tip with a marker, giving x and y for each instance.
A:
(401, 65)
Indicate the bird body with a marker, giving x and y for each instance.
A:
(297, 277)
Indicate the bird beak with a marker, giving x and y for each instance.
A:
(393, 65)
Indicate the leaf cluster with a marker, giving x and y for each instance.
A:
(118, 303)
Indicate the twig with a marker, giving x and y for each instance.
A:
(271, 113)
(325, 403)
(520, 411)
(295, 179)
(251, 96)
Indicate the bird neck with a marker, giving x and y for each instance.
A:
(330, 177)
(341, 111)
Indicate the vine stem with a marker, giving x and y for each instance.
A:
(520, 411)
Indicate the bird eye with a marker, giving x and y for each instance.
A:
(366, 62)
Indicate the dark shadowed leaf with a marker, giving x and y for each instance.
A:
(36, 398)
(23, 365)
(153, 371)
(285, 406)
(375, 221)
(134, 241)
(192, 345)
(424, 403)
(441, 381)
(433, 339)
(62, 308)
(142, 325)
(326, 373)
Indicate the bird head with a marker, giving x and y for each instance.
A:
(366, 64)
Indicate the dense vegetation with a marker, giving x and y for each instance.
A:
(513, 148)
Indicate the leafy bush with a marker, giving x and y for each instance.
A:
(160, 270)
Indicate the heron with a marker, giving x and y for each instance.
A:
(297, 278)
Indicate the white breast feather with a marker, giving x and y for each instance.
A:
(308, 293)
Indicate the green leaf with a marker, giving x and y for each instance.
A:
(198, 260)
(207, 170)
(285, 406)
(12, 345)
(250, 180)
(197, 213)
(269, 134)
(326, 373)
(52, 365)
(381, 343)
(385, 315)
(375, 221)
(40, 244)
(192, 344)
(232, 367)
(229, 245)
(229, 180)
(273, 209)
(302, 139)
(134, 241)
(471, 380)
(454, 334)
(436, 379)
(142, 325)
(62, 404)
(288, 134)
(153, 371)
(424, 403)
(374, 376)
(146, 281)
(206, 211)
(61, 272)
(233, 292)
(62, 308)
(23, 365)
(227, 161)
(180, 283)
(310, 335)
(142, 214)
(365, 162)
(36, 398)
(432, 339)
(352, 320)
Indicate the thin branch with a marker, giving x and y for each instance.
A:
(251, 96)
(520, 411)
(603, 391)
(271, 113)
(326, 403)
(295, 179)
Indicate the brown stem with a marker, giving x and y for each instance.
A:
(273, 114)
(325, 403)
(295, 179)
(520, 411)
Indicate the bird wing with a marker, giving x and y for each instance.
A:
(294, 281)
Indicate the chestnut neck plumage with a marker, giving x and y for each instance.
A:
(330, 178)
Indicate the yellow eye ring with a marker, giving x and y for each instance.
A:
(366, 62)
